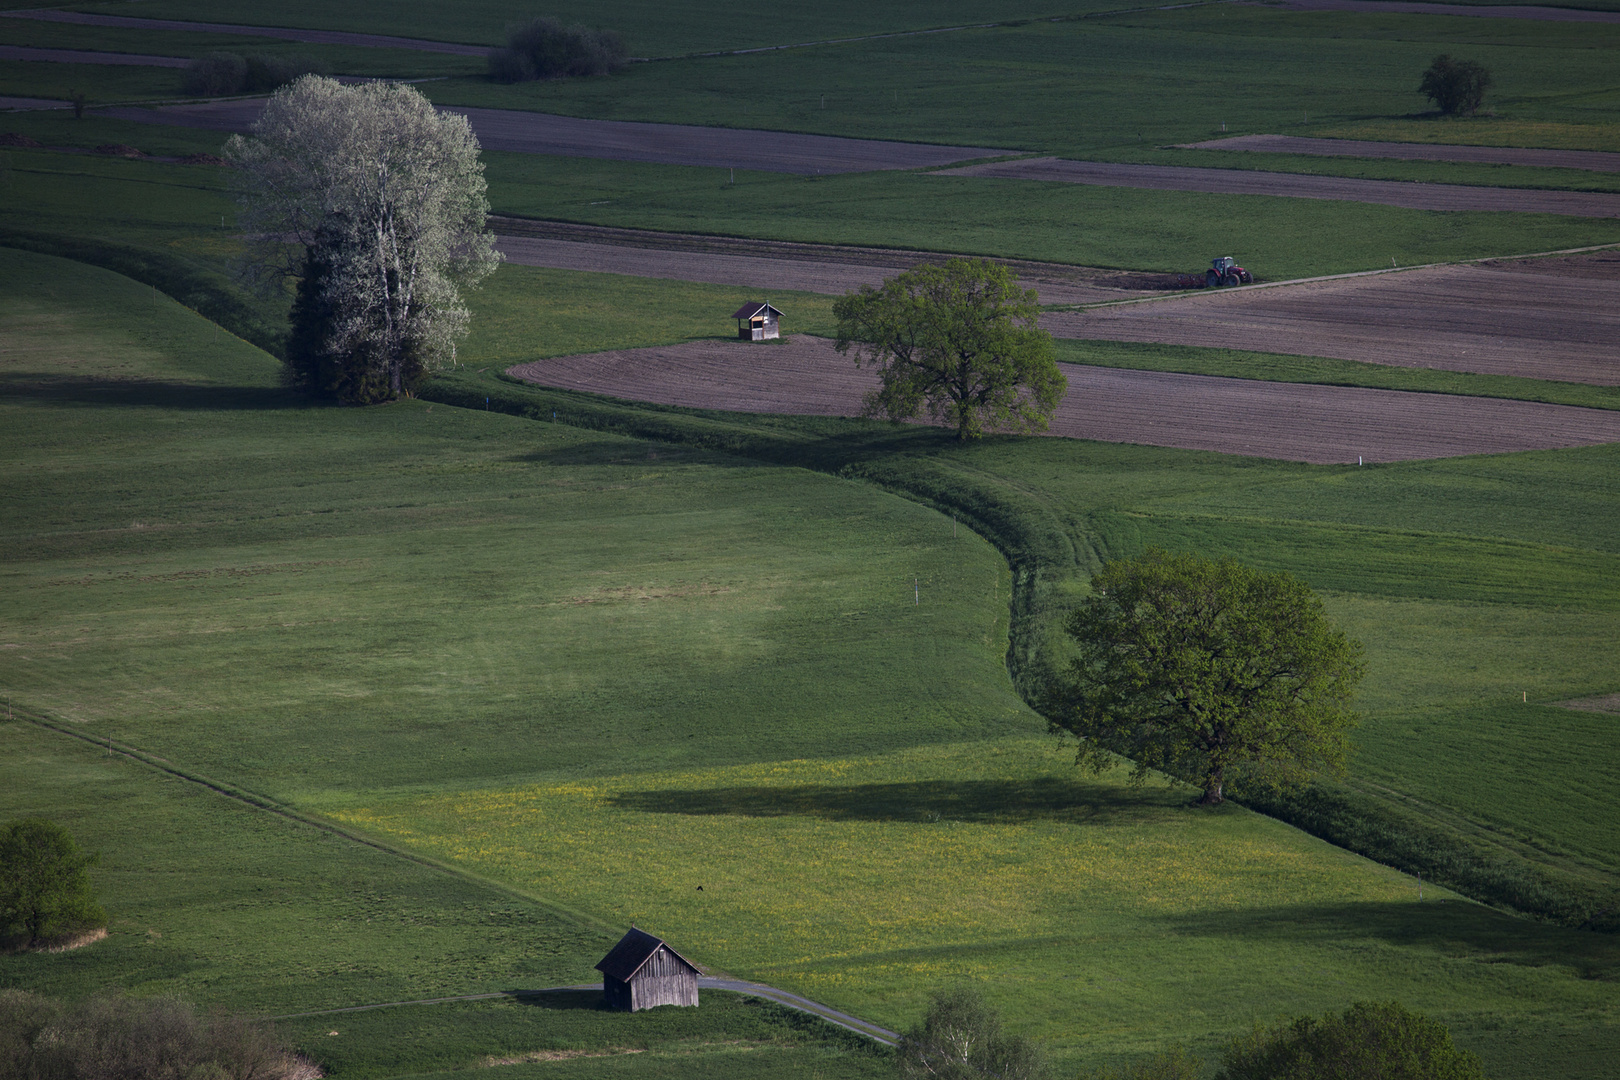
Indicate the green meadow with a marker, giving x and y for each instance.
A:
(564, 674)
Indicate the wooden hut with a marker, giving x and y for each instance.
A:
(642, 972)
(758, 321)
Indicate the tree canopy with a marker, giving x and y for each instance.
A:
(44, 887)
(376, 202)
(958, 341)
(1457, 87)
(1371, 1040)
(961, 1038)
(1208, 671)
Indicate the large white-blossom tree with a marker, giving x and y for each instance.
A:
(375, 202)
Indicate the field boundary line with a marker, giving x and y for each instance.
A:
(314, 821)
(1228, 291)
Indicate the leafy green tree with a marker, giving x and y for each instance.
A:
(1371, 1041)
(959, 341)
(44, 887)
(1457, 87)
(960, 1038)
(1209, 671)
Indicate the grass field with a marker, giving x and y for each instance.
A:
(250, 589)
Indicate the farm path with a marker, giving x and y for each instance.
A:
(19, 104)
(1406, 7)
(738, 986)
(1555, 318)
(88, 56)
(1291, 422)
(764, 265)
(1412, 196)
(284, 33)
(622, 140)
(1592, 160)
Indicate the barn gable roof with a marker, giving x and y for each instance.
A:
(753, 308)
(634, 950)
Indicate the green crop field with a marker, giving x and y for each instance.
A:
(248, 589)
(432, 699)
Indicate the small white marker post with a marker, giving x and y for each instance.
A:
(1358, 459)
(916, 593)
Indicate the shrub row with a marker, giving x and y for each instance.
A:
(546, 49)
(222, 73)
(119, 1038)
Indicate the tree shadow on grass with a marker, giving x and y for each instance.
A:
(923, 801)
(52, 389)
(1451, 927)
(641, 453)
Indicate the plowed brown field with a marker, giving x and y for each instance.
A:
(1539, 318)
(1320, 424)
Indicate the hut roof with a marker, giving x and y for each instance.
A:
(632, 951)
(753, 308)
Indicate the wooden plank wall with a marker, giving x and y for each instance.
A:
(663, 980)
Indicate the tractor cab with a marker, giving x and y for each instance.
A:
(1222, 264)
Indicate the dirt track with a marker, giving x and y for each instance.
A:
(1539, 318)
(764, 265)
(1300, 186)
(313, 37)
(86, 56)
(1320, 424)
(1592, 160)
(1402, 7)
(619, 140)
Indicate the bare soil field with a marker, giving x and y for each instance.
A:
(1404, 7)
(1318, 424)
(313, 37)
(772, 265)
(87, 56)
(1591, 160)
(1402, 193)
(1539, 318)
(618, 140)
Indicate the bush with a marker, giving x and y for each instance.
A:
(221, 73)
(44, 888)
(1457, 87)
(961, 1039)
(1371, 1041)
(114, 1037)
(1174, 1064)
(545, 49)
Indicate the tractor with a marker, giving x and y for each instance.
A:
(1222, 271)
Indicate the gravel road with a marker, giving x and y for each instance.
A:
(1403, 7)
(1319, 424)
(1300, 186)
(1593, 160)
(88, 56)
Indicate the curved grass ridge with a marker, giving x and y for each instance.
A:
(1050, 551)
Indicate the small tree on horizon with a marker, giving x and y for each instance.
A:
(1208, 671)
(959, 342)
(45, 890)
(1457, 87)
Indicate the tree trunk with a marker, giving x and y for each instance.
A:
(1212, 792)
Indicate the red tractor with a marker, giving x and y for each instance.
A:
(1222, 271)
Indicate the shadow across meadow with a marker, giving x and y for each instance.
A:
(53, 389)
(1450, 927)
(922, 801)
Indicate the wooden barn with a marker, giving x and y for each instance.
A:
(642, 972)
(758, 321)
